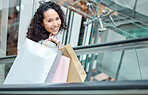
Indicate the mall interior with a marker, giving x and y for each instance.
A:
(110, 38)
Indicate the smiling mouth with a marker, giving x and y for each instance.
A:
(55, 29)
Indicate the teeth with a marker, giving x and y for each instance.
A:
(54, 29)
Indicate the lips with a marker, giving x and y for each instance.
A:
(55, 29)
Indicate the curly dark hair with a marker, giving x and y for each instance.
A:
(36, 30)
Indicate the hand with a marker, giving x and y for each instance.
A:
(54, 39)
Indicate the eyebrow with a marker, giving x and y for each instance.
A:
(52, 18)
(49, 18)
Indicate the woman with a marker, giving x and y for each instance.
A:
(48, 20)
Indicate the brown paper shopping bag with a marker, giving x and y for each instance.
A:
(76, 72)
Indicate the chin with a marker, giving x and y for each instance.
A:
(55, 33)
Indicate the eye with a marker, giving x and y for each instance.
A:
(57, 18)
(49, 20)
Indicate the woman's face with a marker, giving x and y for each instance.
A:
(51, 21)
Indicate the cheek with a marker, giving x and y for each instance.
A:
(47, 26)
(60, 22)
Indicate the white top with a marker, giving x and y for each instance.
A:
(49, 44)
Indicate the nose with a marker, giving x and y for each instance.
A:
(55, 23)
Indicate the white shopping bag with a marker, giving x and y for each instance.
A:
(33, 64)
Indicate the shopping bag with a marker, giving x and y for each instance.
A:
(33, 63)
(60, 76)
(53, 67)
(76, 72)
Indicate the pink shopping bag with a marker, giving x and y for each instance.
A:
(61, 72)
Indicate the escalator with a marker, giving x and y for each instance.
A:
(117, 48)
(118, 87)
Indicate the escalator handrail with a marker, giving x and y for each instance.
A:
(102, 85)
(111, 43)
(8, 57)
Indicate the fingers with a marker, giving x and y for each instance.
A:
(52, 38)
(55, 40)
(49, 39)
(50, 35)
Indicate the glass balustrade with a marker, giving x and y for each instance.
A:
(9, 26)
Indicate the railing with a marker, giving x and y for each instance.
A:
(97, 88)
(103, 87)
(98, 48)
(112, 46)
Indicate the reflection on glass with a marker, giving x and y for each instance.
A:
(13, 26)
(117, 65)
(111, 17)
(130, 28)
(10, 26)
(130, 21)
(86, 8)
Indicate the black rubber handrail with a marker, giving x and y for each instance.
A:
(111, 43)
(102, 85)
(8, 57)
